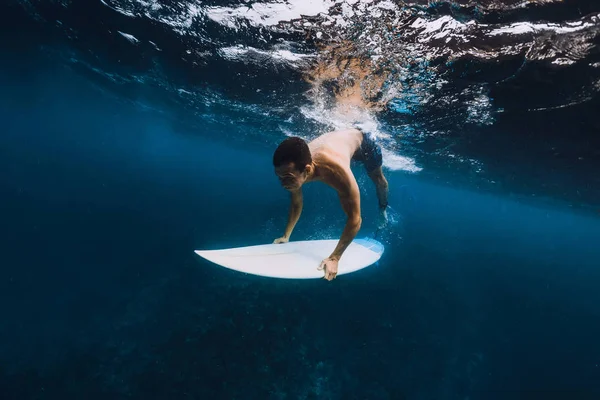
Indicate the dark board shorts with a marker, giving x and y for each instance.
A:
(369, 153)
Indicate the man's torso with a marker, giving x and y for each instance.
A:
(332, 153)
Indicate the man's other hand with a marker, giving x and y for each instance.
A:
(331, 268)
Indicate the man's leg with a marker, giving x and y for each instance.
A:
(371, 156)
(381, 185)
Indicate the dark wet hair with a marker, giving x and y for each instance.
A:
(292, 149)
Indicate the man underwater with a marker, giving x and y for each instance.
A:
(327, 159)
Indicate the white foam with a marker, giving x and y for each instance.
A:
(183, 22)
(267, 14)
(288, 133)
(132, 39)
(153, 4)
(386, 5)
(240, 52)
(119, 9)
(563, 61)
(341, 116)
(443, 27)
(521, 28)
(155, 45)
(396, 162)
(347, 10)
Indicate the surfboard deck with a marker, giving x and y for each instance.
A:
(295, 260)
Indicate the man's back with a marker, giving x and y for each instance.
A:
(336, 146)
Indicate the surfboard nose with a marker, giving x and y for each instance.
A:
(371, 244)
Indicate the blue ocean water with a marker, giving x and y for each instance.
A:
(107, 187)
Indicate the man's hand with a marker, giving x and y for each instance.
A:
(282, 239)
(331, 268)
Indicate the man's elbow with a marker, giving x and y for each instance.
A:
(355, 222)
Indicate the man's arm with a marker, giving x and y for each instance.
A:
(350, 200)
(293, 216)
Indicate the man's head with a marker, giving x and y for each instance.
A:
(292, 162)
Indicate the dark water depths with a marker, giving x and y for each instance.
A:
(106, 189)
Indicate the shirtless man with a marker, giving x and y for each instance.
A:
(327, 159)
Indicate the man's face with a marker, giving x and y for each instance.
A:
(290, 177)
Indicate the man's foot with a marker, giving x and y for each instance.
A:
(389, 225)
(383, 220)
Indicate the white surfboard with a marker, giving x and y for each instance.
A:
(295, 260)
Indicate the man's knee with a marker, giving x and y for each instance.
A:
(381, 178)
(378, 177)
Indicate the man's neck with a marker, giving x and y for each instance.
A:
(314, 175)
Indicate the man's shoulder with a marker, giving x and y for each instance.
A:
(336, 171)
